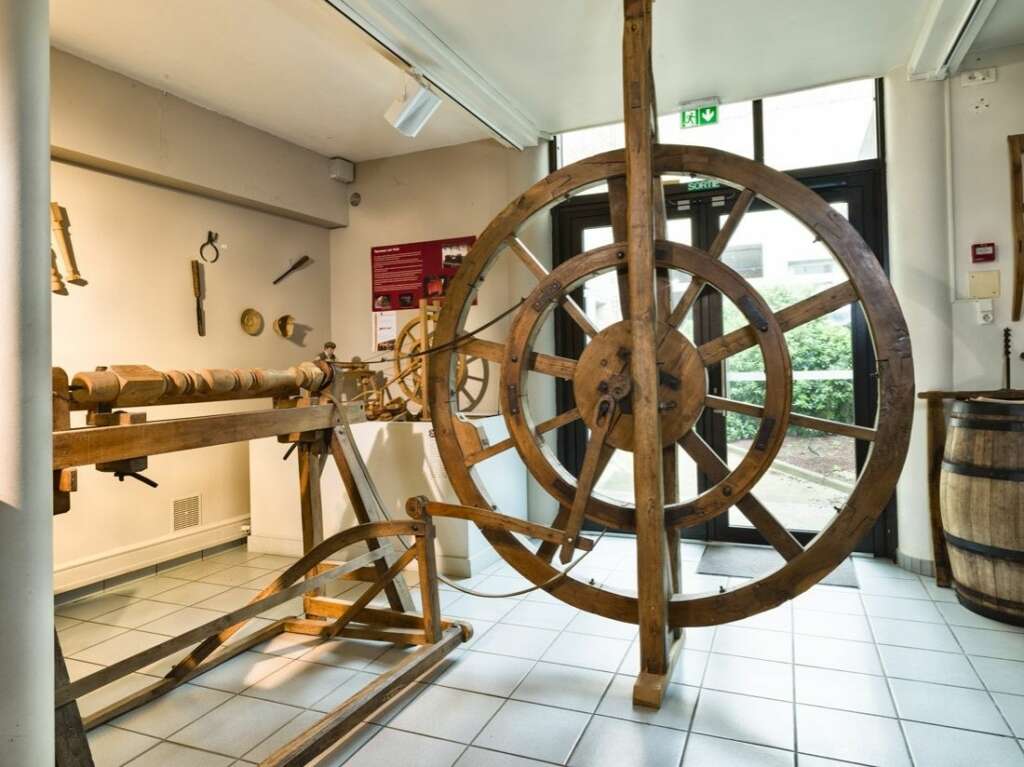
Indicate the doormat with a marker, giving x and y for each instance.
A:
(752, 562)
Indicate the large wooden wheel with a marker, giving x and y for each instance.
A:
(640, 385)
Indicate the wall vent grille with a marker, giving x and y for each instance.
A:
(187, 512)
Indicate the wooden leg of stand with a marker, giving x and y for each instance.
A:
(311, 505)
(426, 558)
(72, 746)
(936, 447)
(367, 509)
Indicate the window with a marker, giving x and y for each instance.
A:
(748, 260)
(821, 126)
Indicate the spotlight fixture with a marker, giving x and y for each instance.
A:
(410, 113)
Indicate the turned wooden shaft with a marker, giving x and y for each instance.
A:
(136, 385)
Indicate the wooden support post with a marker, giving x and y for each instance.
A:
(652, 554)
(426, 558)
(936, 447)
(424, 345)
(310, 502)
(72, 746)
(65, 481)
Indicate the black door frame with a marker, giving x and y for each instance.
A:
(862, 186)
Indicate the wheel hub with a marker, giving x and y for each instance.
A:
(681, 391)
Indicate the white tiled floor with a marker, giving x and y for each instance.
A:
(894, 674)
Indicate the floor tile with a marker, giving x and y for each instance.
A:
(241, 671)
(442, 712)
(616, 742)
(112, 693)
(958, 615)
(299, 683)
(993, 644)
(754, 643)
(830, 599)
(777, 619)
(190, 593)
(271, 562)
(85, 635)
(144, 588)
(61, 623)
(169, 713)
(93, 606)
(479, 757)
(219, 730)
(844, 735)
(119, 647)
(137, 613)
(182, 620)
(237, 555)
(893, 587)
(928, 666)
(517, 641)
(197, 569)
(948, 706)
(284, 735)
(538, 732)
(834, 625)
(927, 636)
(173, 755)
(289, 609)
(676, 707)
(740, 717)
(1012, 707)
(945, 747)
(486, 673)
(356, 681)
(539, 615)
(297, 646)
(236, 576)
(337, 755)
(598, 625)
(904, 609)
(938, 593)
(112, 747)
(868, 567)
(229, 600)
(600, 653)
(471, 608)
(393, 747)
(705, 751)
(749, 676)
(840, 654)
(555, 685)
(1000, 675)
(829, 688)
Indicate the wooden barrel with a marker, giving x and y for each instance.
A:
(982, 499)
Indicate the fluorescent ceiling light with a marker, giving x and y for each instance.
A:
(410, 113)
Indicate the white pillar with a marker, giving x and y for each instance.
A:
(26, 524)
(915, 123)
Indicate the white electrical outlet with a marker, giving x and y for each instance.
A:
(978, 77)
(986, 313)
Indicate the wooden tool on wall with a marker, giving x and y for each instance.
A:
(60, 225)
(1017, 217)
(199, 290)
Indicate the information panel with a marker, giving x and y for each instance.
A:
(403, 274)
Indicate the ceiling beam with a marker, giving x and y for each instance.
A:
(395, 28)
(949, 31)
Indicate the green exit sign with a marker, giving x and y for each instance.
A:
(695, 117)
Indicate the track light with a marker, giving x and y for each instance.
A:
(410, 113)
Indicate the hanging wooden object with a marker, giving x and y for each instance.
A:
(664, 390)
(1016, 144)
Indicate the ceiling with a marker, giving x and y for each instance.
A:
(301, 70)
(294, 68)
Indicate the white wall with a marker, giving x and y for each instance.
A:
(981, 212)
(948, 185)
(429, 195)
(134, 242)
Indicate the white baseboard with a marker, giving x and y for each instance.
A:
(467, 567)
(110, 564)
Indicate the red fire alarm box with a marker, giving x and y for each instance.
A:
(983, 252)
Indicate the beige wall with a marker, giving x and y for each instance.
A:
(430, 195)
(112, 119)
(134, 242)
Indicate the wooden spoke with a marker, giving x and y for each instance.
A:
(562, 419)
(709, 462)
(548, 364)
(595, 459)
(716, 250)
(800, 313)
(538, 270)
(795, 419)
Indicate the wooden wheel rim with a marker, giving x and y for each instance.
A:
(405, 368)
(889, 335)
(549, 472)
